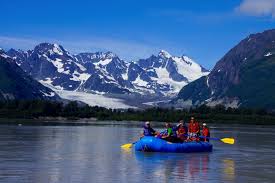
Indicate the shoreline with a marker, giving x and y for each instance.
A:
(63, 121)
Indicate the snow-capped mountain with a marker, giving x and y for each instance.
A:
(161, 74)
(170, 73)
(16, 84)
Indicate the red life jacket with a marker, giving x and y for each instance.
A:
(194, 127)
(205, 132)
(181, 131)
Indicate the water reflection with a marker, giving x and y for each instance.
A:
(185, 167)
(178, 166)
(229, 169)
(93, 154)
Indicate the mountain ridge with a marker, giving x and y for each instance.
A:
(232, 82)
(16, 84)
(105, 72)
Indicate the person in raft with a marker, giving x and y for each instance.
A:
(182, 131)
(193, 130)
(205, 133)
(170, 134)
(148, 130)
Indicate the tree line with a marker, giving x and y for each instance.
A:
(31, 109)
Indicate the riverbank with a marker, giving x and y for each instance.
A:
(76, 121)
(44, 112)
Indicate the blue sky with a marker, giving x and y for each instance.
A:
(202, 29)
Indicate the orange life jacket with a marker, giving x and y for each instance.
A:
(181, 131)
(205, 132)
(194, 127)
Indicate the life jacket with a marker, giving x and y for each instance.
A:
(206, 132)
(182, 131)
(148, 131)
(194, 127)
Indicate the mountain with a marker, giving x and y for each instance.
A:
(16, 84)
(169, 73)
(161, 75)
(245, 76)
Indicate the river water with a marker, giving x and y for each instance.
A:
(64, 154)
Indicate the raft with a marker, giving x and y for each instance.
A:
(153, 144)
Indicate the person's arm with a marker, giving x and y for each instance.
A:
(185, 129)
(153, 131)
(142, 134)
(198, 127)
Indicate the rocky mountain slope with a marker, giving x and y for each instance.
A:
(161, 75)
(16, 84)
(245, 76)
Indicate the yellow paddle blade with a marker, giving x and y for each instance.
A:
(228, 140)
(126, 146)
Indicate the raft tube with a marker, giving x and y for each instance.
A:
(153, 144)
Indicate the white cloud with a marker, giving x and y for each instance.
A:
(257, 7)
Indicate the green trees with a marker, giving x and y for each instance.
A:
(30, 109)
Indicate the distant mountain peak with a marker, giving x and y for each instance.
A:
(110, 54)
(3, 53)
(161, 74)
(164, 54)
(2, 50)
(50, 48)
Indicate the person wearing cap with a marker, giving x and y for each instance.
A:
(182, 131)
(148, 130)
(194, 130)
(205, 133)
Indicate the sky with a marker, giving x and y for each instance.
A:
(201, 29)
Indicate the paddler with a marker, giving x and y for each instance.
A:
(205, 132)
(193, 130)
(182, 131)
(170, 134)
(148, 130)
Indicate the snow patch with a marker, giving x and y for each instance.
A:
(140, 82)
(268, 54)
(103, 62)
(80, 76)
(155, 103)
(164, 78)
(207, 81)
(226, 102)
(93, 99)
(188, 68)
(46, 81)
(57, 49)
(48, 95)
(165, 54)
(4, 55)
(81, 67)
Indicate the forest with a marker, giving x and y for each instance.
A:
(35, 109)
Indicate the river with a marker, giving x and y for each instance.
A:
(63, 154)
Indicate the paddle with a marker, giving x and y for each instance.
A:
(224, 140)
(126, 146)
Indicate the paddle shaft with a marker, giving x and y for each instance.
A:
(210, 138)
